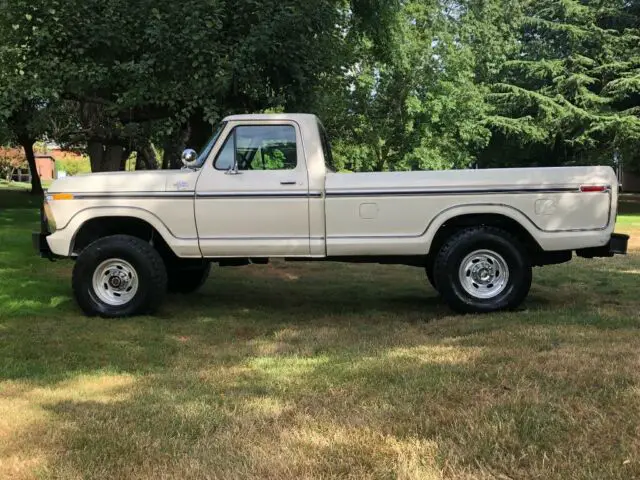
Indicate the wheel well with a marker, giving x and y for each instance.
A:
(101, 227)
(491, 220)
(537, 255)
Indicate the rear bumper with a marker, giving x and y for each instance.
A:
(617, 246)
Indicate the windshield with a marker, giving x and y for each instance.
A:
(207, 150)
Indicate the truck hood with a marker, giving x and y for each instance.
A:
(118, 182)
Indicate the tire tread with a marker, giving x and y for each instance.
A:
(441, 265)
(157, 282)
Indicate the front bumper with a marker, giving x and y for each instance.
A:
(618, 245)
(39, 239)
(41, 245)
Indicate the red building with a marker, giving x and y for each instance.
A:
(14, 165)
(46, 166)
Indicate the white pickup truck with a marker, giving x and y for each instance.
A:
(263, 188)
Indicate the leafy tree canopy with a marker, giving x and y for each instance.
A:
(569, 94)
(400, 85)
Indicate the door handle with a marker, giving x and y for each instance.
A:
(288, 183)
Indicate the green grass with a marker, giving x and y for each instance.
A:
(5, 185)
(318, 371)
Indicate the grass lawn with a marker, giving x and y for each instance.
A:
(319, 371)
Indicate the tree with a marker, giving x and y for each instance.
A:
(566, 95)
(10, 158)
(417, 106)
(22, 125)
(171, 69)
(24, 98)
(619, 76)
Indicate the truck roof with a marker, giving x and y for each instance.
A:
(296, 117)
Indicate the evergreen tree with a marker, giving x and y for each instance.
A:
(567, 95)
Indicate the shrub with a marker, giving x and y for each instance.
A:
(10, 158)
(73, 165)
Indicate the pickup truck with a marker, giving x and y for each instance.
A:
(264, 188)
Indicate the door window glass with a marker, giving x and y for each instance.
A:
(266, 147)
(225, 157)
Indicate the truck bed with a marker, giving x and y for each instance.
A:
(407, 205)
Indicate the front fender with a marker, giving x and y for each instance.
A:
(61, 242)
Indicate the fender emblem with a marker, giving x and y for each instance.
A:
(545, 206)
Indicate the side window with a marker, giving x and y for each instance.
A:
(271, 147)
(225, 157)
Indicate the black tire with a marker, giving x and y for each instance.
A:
(187, 280)
(429, 267)
(460, 247)
(149, 271)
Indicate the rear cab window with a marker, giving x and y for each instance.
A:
(326, 148)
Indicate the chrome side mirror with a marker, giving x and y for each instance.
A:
(189, 158)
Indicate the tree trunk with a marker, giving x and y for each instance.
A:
(381, 160)
(146, 158)
(139, 160)
(200, 131)
(96, 155)
(173, 148)
(112, 158)
(165, 157)
(106, 158)
(126, 153)
(36, 185)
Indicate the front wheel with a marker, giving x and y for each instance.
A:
(119, 276)
(482, 270)
(187, 279)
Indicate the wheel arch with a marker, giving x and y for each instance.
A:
(462, 216)
(95, 224)
(499, 216)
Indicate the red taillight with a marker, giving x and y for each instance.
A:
(593, 188)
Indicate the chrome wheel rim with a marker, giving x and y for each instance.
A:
(115, 282)
(484, 274)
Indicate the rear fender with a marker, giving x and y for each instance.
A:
(479, 209)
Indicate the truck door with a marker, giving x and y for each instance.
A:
(252, 199)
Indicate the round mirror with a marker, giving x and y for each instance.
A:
(189, 157)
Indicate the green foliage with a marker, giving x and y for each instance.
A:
(570, 92)
(150, 60)
(11, 158)
(417, 107)
(73, 166)
(404, 85)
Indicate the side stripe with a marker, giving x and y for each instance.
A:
(408, 192)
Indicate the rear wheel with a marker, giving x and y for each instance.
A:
(187, 279)
(119, 276)
(483, 269)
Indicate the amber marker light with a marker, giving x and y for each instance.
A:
(61, 196)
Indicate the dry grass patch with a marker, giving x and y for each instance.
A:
(29, 435)
(320, 371)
